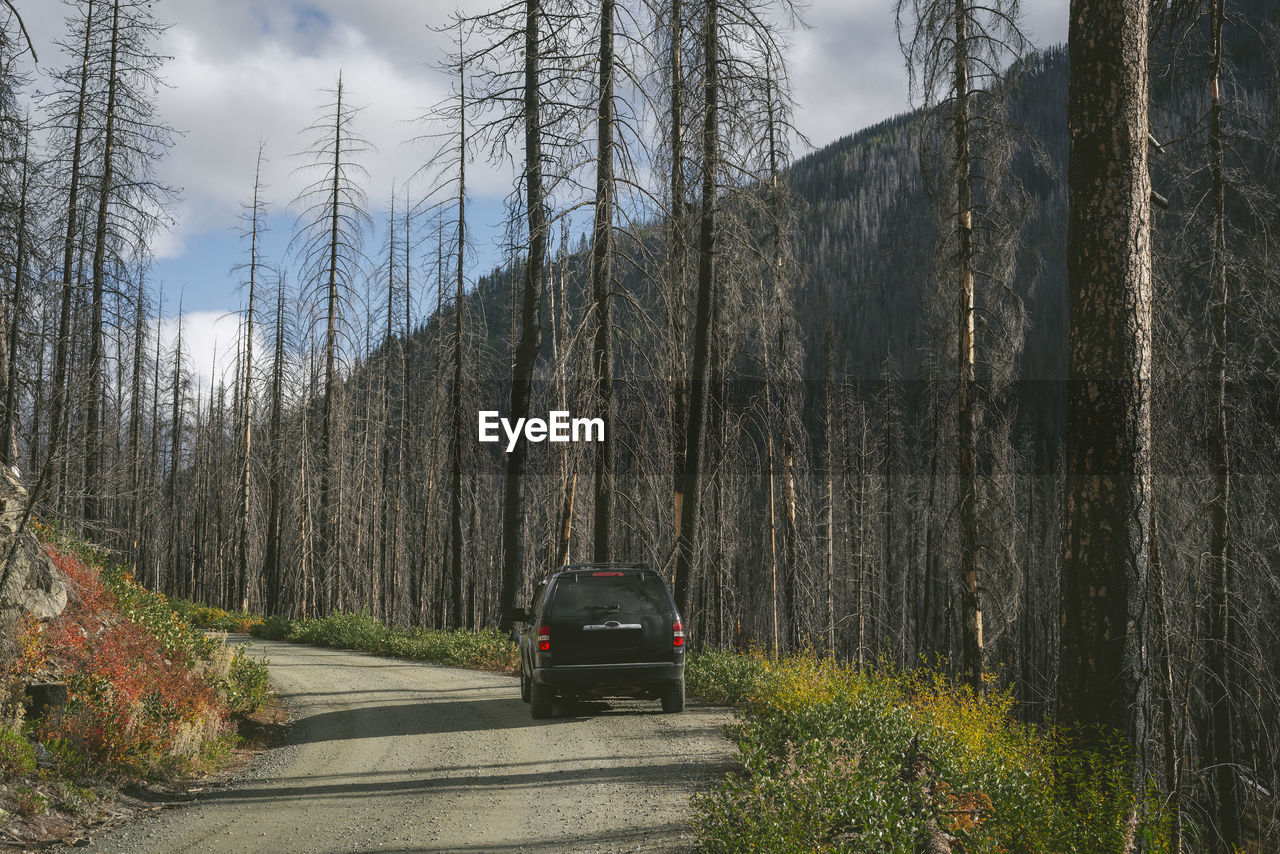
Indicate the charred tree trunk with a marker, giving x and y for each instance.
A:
(602, 285)
(135, 436)
(246, 402)
(829, 453)
(678, 262)
(329, 549)
(702, 321)
(1106, 549)
(970, 591)
(93, 399)
(458, 614)
(175, 585)
(8, 431)
(526, 353)
(1222, 759)
(271, 568)
(61, 380)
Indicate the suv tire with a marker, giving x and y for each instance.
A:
(673, 697)
(524, 684)
(541, 701)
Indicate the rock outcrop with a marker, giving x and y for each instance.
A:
(29, 582)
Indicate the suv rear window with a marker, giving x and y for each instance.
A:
(592, 595)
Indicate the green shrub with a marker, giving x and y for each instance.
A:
(723, 677)
(215, 619)
(486, 649)
(840, 760)
(31, 802)
(17, 755)
(272, 628)
(155, 613)
(248, 685)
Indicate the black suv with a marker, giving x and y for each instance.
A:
(601, 630)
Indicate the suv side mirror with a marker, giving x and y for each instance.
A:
(519, 615)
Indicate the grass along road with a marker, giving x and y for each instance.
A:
(391, 755)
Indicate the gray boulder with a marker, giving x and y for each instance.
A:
(29, 582)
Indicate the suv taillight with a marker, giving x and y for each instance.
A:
(677, 638)
(544, 639)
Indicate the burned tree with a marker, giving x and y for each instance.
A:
(328, 235)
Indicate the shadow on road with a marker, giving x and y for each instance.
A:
(656, 837)
(463, 778)
(410, 719)
(447, 715)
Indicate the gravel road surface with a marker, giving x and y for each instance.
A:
(390, 755)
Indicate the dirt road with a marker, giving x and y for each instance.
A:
(390, 755)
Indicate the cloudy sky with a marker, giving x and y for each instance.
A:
(245, 71)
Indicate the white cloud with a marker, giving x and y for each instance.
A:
(249, 70)
(848, 70)
(272, 91)
(209, 345)
(245, 71)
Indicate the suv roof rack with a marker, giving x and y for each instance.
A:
(572, 567)
(605, 563)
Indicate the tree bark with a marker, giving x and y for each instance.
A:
(526, 353)
(602, 285)
(678, 262)
(329, 549)
(135, 435)
(1106, 549)
(1222, 758)
(93, 399)
(458, 615)
(971, 646)
(246, 392)
(175, 585)
(702, 321)
(272, 569)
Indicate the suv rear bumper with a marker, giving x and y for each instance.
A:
(594, 675)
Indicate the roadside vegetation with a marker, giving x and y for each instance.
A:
(149, 697)
(487, 649)
(833, 758)
(836, 759)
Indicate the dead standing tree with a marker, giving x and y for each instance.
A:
(130, 202)
(957, 52)
(602, 248)
(272, 561)
(329, 232)
(66, 107)
(448, 174)
(524, 79)
(22, 218)
(253, 217)
(1226, 816)
(1106, 543)
(736, 36)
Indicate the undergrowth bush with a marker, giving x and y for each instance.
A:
(248, 684)
(17, 755)
(840, 760)
(486, 649)
(147, 693)
(725, 678)
(215, 619)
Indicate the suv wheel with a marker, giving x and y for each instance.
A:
(541, 699)
(524, 684)
(673, 697)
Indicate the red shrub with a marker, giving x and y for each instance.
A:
(128, 703)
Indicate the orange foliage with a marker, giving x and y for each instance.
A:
(128, 703)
